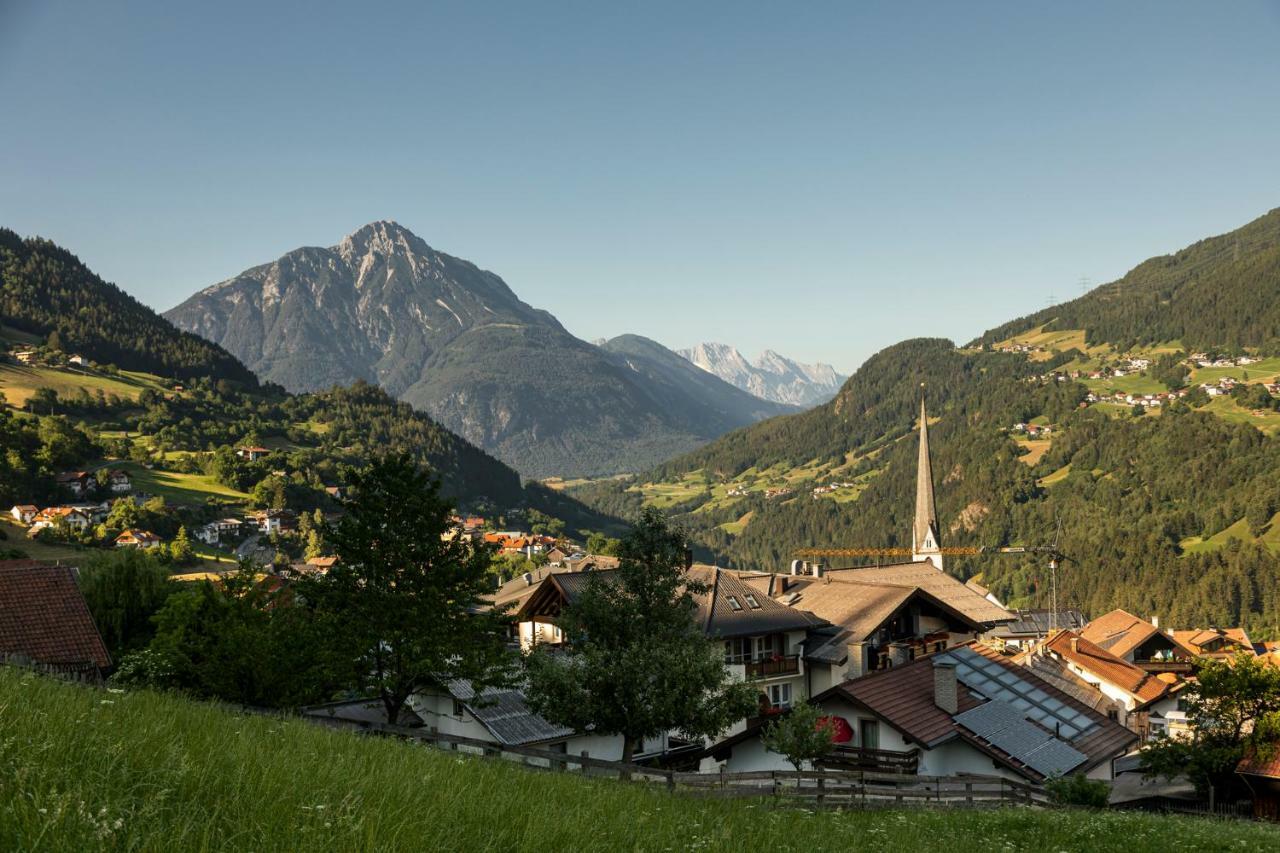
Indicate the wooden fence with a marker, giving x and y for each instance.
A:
(814, 788)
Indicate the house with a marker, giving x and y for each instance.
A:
(252, 454)
(1262, 776)
(78, 361)
(335, 492)
(24, 513)
(763, 639)
(1145, 701)
(1138, 641)
(1215, 643)
(44, 620)
(215, 532)
(969, 710)
(77, 482)
(53, 516)
(321, 565)
(1031, 626)
(119, 482)
(878, 617)
(275, 520)
(138, 539)
(95, 512)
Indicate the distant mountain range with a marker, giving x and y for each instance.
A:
(455, 341)
(771, 377)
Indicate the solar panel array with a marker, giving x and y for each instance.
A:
(1004, 727)
(1001, 684)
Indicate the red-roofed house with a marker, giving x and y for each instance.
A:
(138, 539)
(1263, 778)
(44, 620)
(253, 454)
(24, 513)
(1147, 700)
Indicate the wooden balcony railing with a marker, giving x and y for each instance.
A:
(769, 667)
(880, 760)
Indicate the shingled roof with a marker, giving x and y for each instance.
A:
(1120, 632)
(939, 584)
(44, 618)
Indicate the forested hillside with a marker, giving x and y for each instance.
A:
(45, 290)
(1168, 497)
(1223, 291)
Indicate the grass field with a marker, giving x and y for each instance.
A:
(1227, 409)
(1057, 476)
(179, 488)
(1036, 449)
(89, 770)
(1265, 370)
(1238, 531)
(18, 382)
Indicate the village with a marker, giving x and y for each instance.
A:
(914, 673)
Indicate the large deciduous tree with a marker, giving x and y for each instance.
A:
(1234, 710)
(405, 603)
(637, 664)
(803, 735)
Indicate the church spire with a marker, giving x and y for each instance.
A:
(924, 533)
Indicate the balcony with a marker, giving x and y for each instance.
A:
(773, 667)
(845, 757)
(1181, 667)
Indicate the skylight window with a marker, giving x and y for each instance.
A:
(752, 603)
(734, 603)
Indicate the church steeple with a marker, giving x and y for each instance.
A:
(924, 533)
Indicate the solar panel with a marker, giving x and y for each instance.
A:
(996, 682)
(1004, 727)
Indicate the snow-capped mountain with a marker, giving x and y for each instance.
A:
(771, 376)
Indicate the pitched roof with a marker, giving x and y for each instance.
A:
(1094, 659)
(904, 697)
(715, 607)
(505, 714)
(940, 585)
(43, 616)
(1196, 639)
(1119, 632)
(1036, 622)
(1055, 672)
(1252, 765)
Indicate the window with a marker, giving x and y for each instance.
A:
(458, 708)
(752, 603)
(733, 603)
(766, 647)
(737, 650)
(780, 695)
(869, 734)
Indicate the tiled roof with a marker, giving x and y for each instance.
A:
(504, 713)
(1119, 632)
(939, 584)
(715, 610)
(904, 698)
(1195, 640)
(1094, 659)
(43, 616)
(1036, 622)
(1251, 765)
(859, 608)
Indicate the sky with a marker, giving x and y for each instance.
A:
(821, 179)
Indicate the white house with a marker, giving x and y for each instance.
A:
(51, 517)
(24, 513)
(965, 711)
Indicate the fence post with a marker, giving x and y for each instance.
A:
(582, 768)
(722, 776)
(968, 792)
(821, 791)
(671, 780)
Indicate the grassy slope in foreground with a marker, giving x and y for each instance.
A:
(82, 769)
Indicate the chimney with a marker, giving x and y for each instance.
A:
(857, 663)
(528, 578)
(817, 570)
(1075, 645)
(797, 567)
(1155, 621)
(899, 654)
(945, 691)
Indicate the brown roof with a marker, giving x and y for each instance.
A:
(860, 608)
(1196, 639)
(1094, 659)
(904, 697)
(43, 616)
(1119, 632)
(1251, 765)
(940, 585)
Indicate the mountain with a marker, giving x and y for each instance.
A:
(679, 385)
(1219, 292)
(454, 340)
(45, 289)
(1168, 507)
(772, 376)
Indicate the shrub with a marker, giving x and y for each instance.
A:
(1078, 790)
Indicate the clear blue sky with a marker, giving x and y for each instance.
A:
(821, 179)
